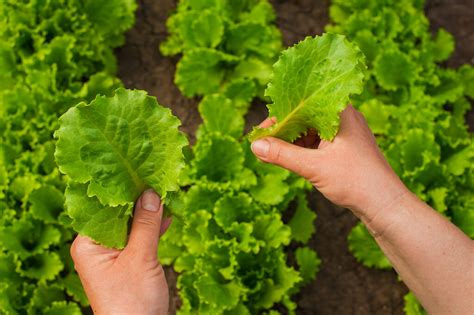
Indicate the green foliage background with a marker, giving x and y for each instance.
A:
(230, 251)
(53, 54)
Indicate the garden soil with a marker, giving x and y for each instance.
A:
(343, 286)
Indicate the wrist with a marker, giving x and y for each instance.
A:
(392, 214)
(381, 197)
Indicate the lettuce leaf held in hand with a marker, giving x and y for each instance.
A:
(112, 150)
(311, 85)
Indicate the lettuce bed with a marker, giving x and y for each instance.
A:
(55, 54)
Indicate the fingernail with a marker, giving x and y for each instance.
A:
(150, 201)
(260, 147)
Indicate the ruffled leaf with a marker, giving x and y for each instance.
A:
(311, 85)
(308, 263)
(365, 249)
(120, 146)
(393, 70)
(63, 308)
(302, 222)
(412, 306)
(220, 115)
(105, 224)
(41, 267)
(46, 203)
(201, 71)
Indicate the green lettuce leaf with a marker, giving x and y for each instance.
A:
(271, 188)
(302, 222)
(63, 308)
(43, 296)
(42, 267)
(26, 237)
(365, 249)
(106, 225)
(311, 85)
(201, 71)
(220, 296)
(46, 203)
(218, 158)
(220, 115)
(73, 286)
(412, 306)
(308, 263)
(121, 146)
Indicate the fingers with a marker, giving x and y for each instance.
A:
(351, 121)
(82, 246)
(165, 224)
(292, 157)
(84, 251)
(146, 225)
(268, 122)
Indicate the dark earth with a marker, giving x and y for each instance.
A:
(343, 286)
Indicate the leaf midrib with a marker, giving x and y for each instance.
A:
(139, 184)
(302, 103)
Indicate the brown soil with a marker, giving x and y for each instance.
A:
(342, 286)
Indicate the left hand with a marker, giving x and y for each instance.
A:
(132, 280)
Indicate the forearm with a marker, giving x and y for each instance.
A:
(432, 256)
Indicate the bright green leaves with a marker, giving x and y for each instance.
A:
(220, 115)
(120, 146)
(201, 71)
(311, 85)
(393, 70)
(62, 308)
(46, 203)
(302, 222)
(202, 29)
(308, 263)
(412, 306)
(443, 45)
(271, 188)
(111, 18)
(27, 236)
(223, 296)
(218, 158)
(227, 242)
(226, 248)
(42, 267)
(223, 44)
(112, 150)
(105, 224)
(365, 249)
(53, 54)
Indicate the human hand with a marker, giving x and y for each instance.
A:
(350, 171)
(128, 281)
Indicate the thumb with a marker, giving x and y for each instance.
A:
(292, 157)
(146, 225)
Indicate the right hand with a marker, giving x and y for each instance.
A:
(350, 171)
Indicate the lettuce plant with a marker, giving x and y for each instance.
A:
(311, 85)
(228, 237)
(227, 47)
(53, 54)
(227, 241)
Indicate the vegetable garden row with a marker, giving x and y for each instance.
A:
(234, 217)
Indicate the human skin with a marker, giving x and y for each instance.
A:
(128, 281)
(432, 256)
